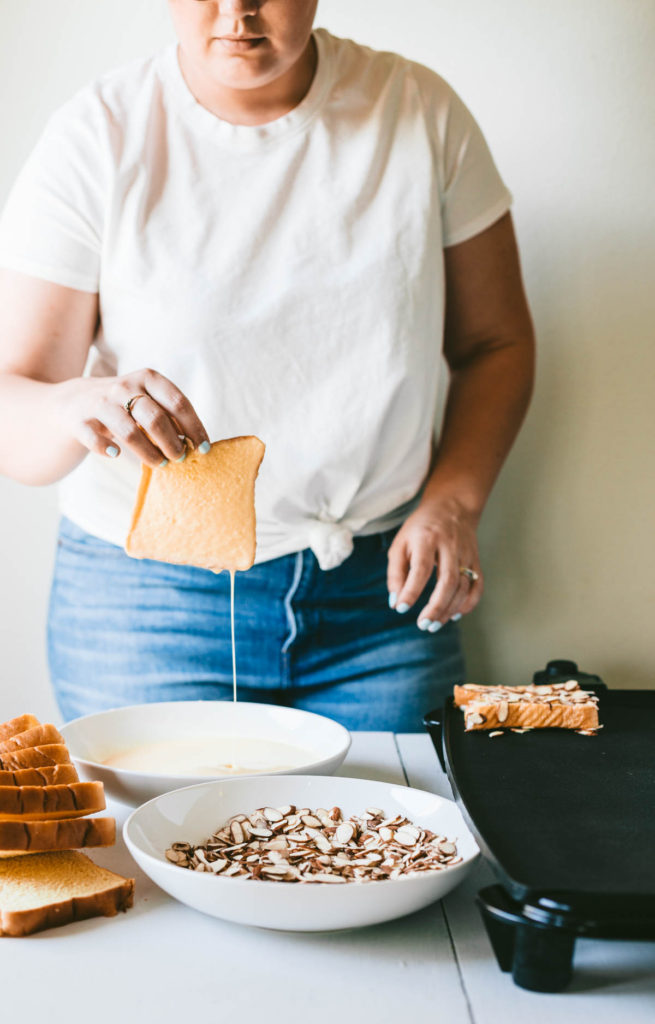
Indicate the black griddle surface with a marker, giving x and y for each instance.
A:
(555, 811)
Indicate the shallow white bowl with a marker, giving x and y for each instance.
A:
(194, 813)
(94, 738)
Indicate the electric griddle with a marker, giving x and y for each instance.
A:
(567, 823)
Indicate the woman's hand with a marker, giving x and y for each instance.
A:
(94, 409)
(442, 533)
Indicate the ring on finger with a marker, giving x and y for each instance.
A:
(130, 402)
(470, 574)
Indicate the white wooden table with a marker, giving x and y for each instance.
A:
(162, 963)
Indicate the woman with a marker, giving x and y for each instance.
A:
(265, 229)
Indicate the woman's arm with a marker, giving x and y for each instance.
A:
(489, 347)
(50, 416)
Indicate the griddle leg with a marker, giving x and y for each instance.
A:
(501, 936)
(540, 959)
(543, 958)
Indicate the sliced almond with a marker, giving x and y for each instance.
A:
(405, 838)
(237, 832)
(367, 848)
(311, 821)
(344, 833)
(272, 814)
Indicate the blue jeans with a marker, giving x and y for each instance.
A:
(127, 631)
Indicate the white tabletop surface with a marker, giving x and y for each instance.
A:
(162, 963)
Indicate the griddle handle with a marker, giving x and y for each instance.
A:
(433, 723)
(540, 958)
(561, 669)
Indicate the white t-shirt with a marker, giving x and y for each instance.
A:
(288, 277)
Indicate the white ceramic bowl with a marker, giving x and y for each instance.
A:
(194, 813)
(94, 738)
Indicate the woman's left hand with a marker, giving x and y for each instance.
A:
(441, 533)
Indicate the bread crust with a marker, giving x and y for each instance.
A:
(63, 834)
(15, 725)
(78, 908)
(35, 737)
(45, 756)
(53, 775)
(36, 803)
(115, 893)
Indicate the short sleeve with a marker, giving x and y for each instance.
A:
(52, 223)
(474, 195)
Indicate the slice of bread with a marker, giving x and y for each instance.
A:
(20, 724)
(49, 889)
(37, 803)
(201, 511)
(522, 715)
(36, 737)
(35, 757)
(63, 834)
(551, 706)
(55, 775)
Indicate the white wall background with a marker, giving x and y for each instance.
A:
(566, 96)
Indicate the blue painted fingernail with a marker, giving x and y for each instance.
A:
(456, 618)
(182, 457)
(424, 623)
(435, 627)
(204, 447)
(393, 597)
(164, 462)
(111, 451)
(402, 607)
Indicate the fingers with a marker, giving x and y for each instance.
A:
(94, 436)
(128, 434)
(177, 405)
(159, 420)
(409, 567)
(397, 569)
(454, 594)
(159, 427)
(475, 589)
(411, 563)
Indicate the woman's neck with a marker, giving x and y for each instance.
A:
(258, 105)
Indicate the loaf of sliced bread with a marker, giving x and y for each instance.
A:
(55, 775)
(35, 757)
(35, 737)
(36, 803)
(20, 836)
(16, 725)
(48, 889)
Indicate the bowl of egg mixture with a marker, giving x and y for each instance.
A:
(144, 750)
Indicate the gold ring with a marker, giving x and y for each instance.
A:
(470, 574)
(130, 402)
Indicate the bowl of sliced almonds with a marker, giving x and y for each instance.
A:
(302, 852)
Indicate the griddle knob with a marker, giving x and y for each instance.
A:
(561, 668)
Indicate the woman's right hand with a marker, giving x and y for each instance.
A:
(94, 409)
